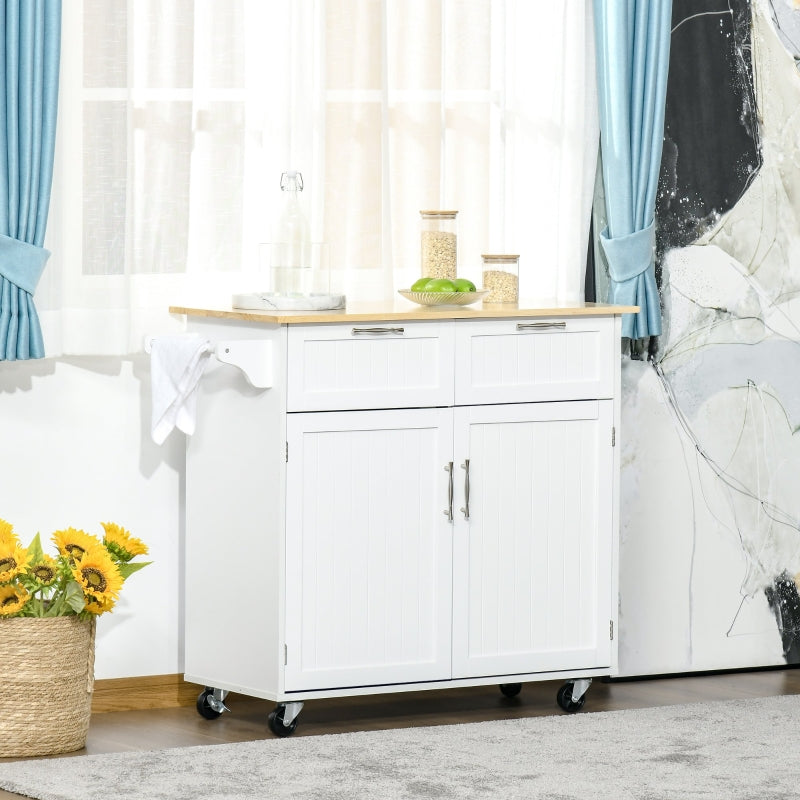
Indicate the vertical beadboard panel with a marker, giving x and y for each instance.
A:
(530, 594)
(587, 510)
(368, 559)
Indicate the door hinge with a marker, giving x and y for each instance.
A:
(285, 655)
(613, 436)
(611, 630)
(287, 452)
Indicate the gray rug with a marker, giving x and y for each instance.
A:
(720, 751)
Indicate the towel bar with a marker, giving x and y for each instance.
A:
(252, 356)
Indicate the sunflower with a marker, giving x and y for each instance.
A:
(74, 543)
(98, 575)
(98, 606)
(13, 558)
(12, 600)
(7, 534)
(44, 571)
(121, 544)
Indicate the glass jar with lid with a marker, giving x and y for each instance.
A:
(438, 244)
(501, 278)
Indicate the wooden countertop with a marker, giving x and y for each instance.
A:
(406, 310)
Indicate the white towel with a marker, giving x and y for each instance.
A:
(176, 365)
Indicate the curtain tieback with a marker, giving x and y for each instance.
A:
(629, 256)
(21, 263)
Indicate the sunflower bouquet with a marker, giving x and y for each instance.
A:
(83, 579)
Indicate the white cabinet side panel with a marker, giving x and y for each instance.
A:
(532, 564)
(368, 548)
(234, 522)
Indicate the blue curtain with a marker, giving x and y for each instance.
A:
(30, 42)
(632, 42)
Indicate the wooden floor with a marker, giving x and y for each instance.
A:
(181, 727)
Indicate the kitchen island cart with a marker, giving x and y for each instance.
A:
(391, 497)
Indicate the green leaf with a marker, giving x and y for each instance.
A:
(73, 596)
(35, 552)
(126, 570)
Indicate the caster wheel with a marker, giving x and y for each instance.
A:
(203, 707)
(510, 689)
(275, 721)
(564, 699)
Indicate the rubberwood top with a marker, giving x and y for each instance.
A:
(374, 311)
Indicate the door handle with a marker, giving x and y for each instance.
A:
(465, 467)
(448, 512)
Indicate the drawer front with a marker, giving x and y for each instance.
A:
(525, 360)
(370, 365)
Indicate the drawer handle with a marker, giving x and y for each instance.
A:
(377, 331)
(541, 326)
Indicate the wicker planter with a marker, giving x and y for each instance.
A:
(46, 682)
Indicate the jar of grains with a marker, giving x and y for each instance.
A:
(438, 244)
(501, 278)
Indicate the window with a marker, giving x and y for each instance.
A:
(177, 118)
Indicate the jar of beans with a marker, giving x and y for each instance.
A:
(438, 244)
(501, 278)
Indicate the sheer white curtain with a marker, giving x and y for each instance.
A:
(177, 118)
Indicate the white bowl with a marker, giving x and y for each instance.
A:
(444, 298)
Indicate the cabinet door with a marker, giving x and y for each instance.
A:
(368, 548)
(532, 576)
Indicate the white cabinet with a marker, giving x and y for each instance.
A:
(376, 570)
(438, 508)
(532, 572)
(368, 550)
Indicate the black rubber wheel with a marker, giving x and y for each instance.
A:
(203, 708)
(510, 689)
(275, 721)
(564, 699)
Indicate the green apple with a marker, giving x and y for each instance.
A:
(463, 285)
(419, 285)
(440, 285)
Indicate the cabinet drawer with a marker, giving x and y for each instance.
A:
(524, 360)
(396, 364)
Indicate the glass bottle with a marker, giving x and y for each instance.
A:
(438, 244)
(290, 259)
(501, 278)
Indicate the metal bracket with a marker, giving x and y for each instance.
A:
(579, 688)
(216, 701)
(291, 712)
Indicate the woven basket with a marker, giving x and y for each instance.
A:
(46, 682)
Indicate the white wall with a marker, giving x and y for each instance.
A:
(76, 451)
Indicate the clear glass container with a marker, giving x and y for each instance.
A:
(290, 259)
(501, 278)
(438, 244)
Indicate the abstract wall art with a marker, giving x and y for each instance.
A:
(710, 493)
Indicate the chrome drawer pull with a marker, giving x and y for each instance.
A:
(377, 331)
(541, 326)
